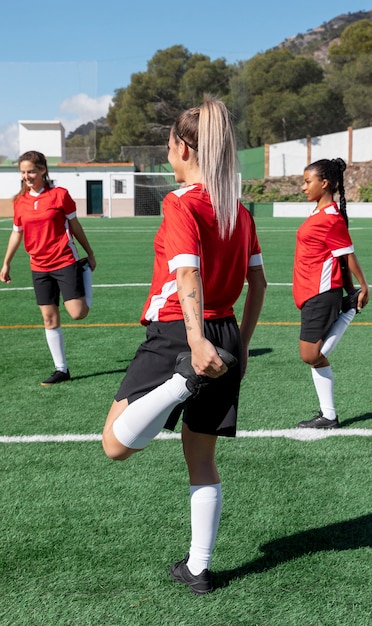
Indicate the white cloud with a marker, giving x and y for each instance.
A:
(80, 109)
(9, 141)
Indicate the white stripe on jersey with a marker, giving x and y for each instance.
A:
(183, 260)
(326, 276)
(256, 259)
(331, 210)
(182, 190)
(158, 301)
(342, 251)
(71, 243)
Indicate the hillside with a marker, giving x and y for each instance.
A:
(315, 42)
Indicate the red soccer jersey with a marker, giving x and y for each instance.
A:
(43, 218)
(321, 240)
(188, 237)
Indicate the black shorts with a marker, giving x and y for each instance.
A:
(318, 314)
(214, 410)
(68, 281)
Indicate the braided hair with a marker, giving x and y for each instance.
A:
(333, 171)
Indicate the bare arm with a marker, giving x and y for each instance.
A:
(204, 357)
(13, 245)
(78, 232)
(355, 268)
(252, 307)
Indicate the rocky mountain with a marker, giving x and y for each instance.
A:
(315, 42)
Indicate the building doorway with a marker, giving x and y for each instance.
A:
(94, 197)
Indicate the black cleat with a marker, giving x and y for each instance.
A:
(351, 301)
(200, 584)
(319, 421)
(56, 377)
(195, 382)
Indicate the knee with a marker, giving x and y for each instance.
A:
(112, 453)
(80, 313)
(114, 450)
(314, 359)
(308, 359)
(50, 322)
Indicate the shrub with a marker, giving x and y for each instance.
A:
(365, 193)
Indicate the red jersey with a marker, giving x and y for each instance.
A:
(320, 241)
(43, 218)
(188, 237)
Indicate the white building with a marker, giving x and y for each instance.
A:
(101, 189)
(48, 136)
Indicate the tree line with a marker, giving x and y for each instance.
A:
(276, 96)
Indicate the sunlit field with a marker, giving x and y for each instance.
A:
(88, 542)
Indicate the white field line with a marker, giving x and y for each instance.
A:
(299, 434)
(108, 285)
(153, 229)
(114, 285)
(4, 289)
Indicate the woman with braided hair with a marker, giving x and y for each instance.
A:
(324, 264)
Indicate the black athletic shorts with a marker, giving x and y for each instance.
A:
(214, 410)
(319, 313)
(68, 281)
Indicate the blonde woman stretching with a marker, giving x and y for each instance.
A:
(194, 354)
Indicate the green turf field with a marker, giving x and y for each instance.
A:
(88, 542)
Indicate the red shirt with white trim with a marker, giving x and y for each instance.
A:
(320, 241)
(43, 218)
(188, 237)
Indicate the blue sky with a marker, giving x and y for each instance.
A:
(64, 61)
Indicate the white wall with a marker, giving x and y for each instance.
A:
(287, 158)
(362, 142)
(303, 209)
(291, 157)
(114, 204)
(74, 182)
(47, 137)
(330, 146)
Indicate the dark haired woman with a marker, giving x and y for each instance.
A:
(205, 249)
(45, 218)
(323, 265)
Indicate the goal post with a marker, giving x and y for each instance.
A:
(150, 188)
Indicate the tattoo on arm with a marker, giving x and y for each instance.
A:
(193, 295)
(197, 316)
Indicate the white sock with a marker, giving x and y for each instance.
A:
(88, 284)
(323, 381)
(54, 337)
(336, 332)
(206, 506)
(144, 418)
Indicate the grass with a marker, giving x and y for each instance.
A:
(88, 542)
